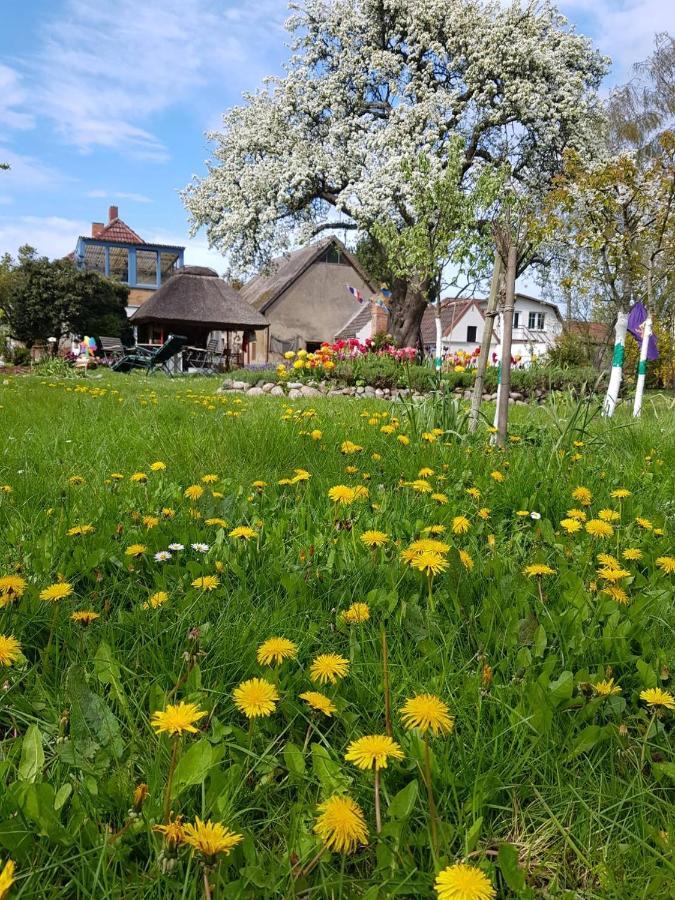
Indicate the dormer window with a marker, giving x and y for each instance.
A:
(335, 256)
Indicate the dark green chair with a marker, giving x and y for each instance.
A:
(151, 360)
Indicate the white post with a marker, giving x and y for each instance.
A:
(614, 385)
(439, 335)
(642, 367)
(500, 328)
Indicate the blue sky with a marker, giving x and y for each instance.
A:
(107, 103)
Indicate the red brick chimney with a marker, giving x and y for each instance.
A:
(96, 228)
(379, 319)
(113, 213)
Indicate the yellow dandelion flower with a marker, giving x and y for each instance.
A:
(441, 499)
(373, 751)
(168, 512)
(473, 492)
(656, 698)
(426, 711)
(582, 495)
(460, 525)
(341, 493)
(425, 472)
(6, 878)
(424, 544)
(210, 838)
(275, 650)
(536, 570)
(609, 573)
(173, 832)
(497, 475)
(598, 528)
(373, 539)
(140, 795)
(620, 494)
(609, 561)
(76, 480)
(606, 688)
(348, 447)
(206, 583)
(157, 466)
(159, 598)
(483, 513)
(55, 592)
(319, 702)
(616, 593)
(666, 564)
(12, 587)
(135, 550)
(608, 515)
(357, 614)
(521, 513)
(429, 562)
(644, 523)
(328, 667)
(10, 650)
(84, 616)
(139, 477)
(210, 479)
(177, 718)
(216, 522)
(150, 521)
(578, 514)
(434, 529)
(464, 882)
(243, 533)
(316, 435)
(466, 560)
(116, 476)
(256, 697)
(403, 439)
(632, 553)
(571, 526)
(341, 824)
(193, 492)
(78, 530)
(420, 485)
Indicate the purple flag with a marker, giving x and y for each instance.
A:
(636, 319)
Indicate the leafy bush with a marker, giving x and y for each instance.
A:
(20, 356)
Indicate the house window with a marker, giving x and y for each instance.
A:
(535, 321)
(312, 346)
(471, 334)
(146, 267)
(335, 256)
(516, 320)
(119, 263)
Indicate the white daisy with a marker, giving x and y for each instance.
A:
(162, 556)
(535, 516)
(176, 547)
(200, 548)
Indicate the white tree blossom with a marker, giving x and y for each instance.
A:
(373, 83)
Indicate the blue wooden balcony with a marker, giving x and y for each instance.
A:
(136, 265)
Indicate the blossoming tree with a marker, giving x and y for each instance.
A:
(371, 83)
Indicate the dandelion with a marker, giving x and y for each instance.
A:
(434, 529)
(420, 485)
(80, 530)
(612, 574)
(216, 522)
(150, 521)
(463, 882)
(243, 533)
(616, 593)
(328, 667)
(608, 515)
(606, 688)
(658, 698)
(429, 562)
(210, 838)
(666, 564)
(12, 587)
(157, 466)
(357, 614)
(536, 570)
(522, 513)
(460, 525)
(425, 472)
(341, 824)
(571, 526)
(374, 539)
(644, 523)
(200, 548)
(577, 514)
(177, 719)
(348, 447)
(316, 435)
(168, 512)
(206, 583)
(372, 752)
(159, 598)
(10, 650)
(173, 832)
(403, 439)
(582, 495)
(429, 544)
(135, 550)
(210, 479)
(162, 556)
(84, 616)
(497, 476)
(139, 478)
(55, 592)
(609, 561)
(483, 513)
(598, 528)
(466, 560)
(620, 494)
(76, 480)
(256, 697)
(193, 492)
(473, 492)
(275, 650)
(319, 701)
(6, 878)
(441, 499)
(632, 553)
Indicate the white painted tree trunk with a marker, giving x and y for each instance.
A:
(616, 375)
(439, 336)
(642, 367)
(500, 328)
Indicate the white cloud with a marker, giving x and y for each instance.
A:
(104, 71)
(12, 99)
(101, 194)
(27, 172)
(51, 236)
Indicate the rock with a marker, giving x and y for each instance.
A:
(516, 395)
(255, 392)
(277, 391)
(379, 393)
(294, 393)
(267, 387)
(295, 385)
(521, 402)
(360, 390)
(369, 391)
(309, 391)
(467, 394)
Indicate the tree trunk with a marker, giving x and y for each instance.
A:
(406, 308)
(486, 343)
(616, 375)
(507, 334)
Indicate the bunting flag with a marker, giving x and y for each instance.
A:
(357, 295)
(636, 321)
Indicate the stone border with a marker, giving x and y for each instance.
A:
(296, 390)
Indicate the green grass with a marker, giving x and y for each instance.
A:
(552, 792)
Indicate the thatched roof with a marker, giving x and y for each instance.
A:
(196, 295)
(263, 290)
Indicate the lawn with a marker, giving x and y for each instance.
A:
(550, 775)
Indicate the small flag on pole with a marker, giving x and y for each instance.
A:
(636, 320)
(357, 295)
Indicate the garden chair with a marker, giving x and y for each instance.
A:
(206, 359)
(151, 360)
